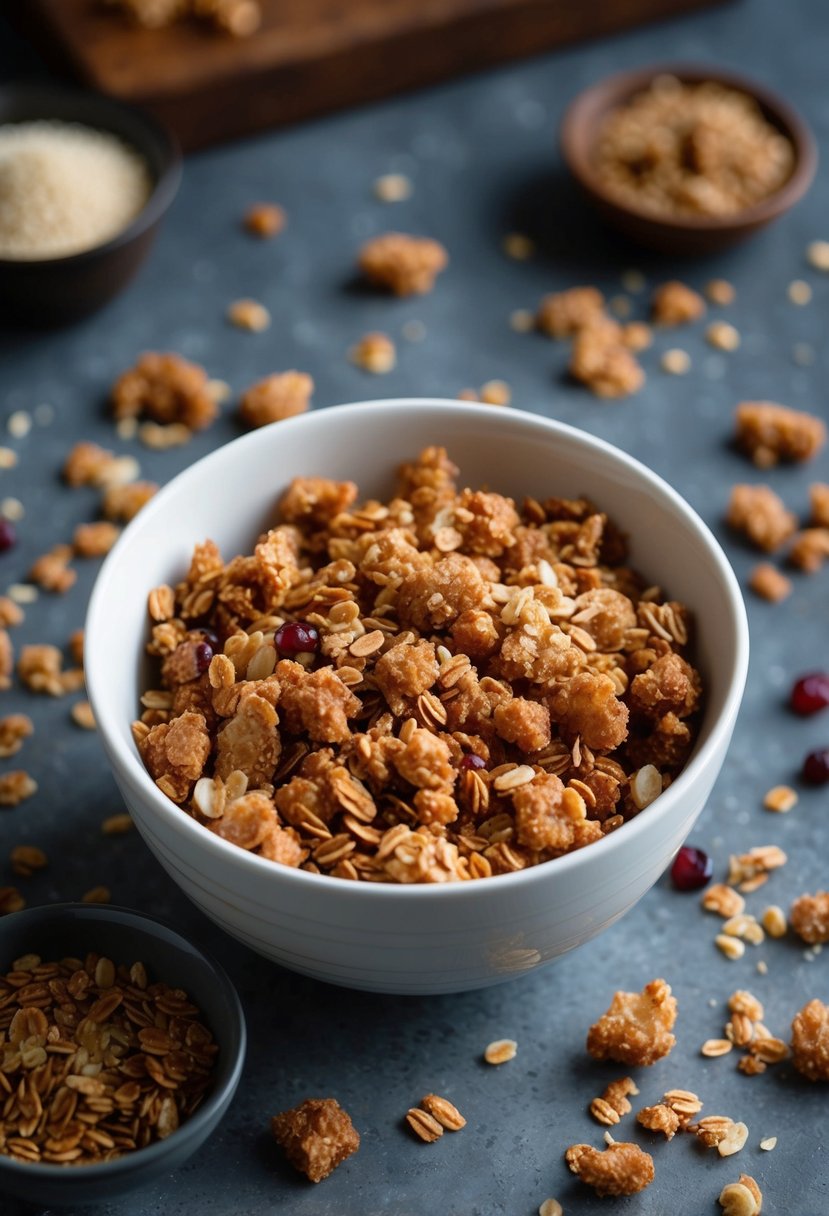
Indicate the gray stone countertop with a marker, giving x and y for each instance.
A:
(482, 156)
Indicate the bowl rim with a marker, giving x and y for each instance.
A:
(617, 88)
(163, 191)
(125, 759)
(129, 918)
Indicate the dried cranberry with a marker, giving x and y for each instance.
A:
(692, 869)
(810, 693)
(472, 761)
(296, 637)
(202, 654)
(212, 638)
(816, 767)
(8, 536)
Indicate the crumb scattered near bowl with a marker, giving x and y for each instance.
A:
(317, 1136)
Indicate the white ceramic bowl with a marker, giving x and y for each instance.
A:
(412, 939)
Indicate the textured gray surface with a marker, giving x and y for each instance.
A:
(481, 155)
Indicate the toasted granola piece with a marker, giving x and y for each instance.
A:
(769, 433)
(15, 787)
(14, 728)
(317, 1136)
(249, 741)
(670, 685)
(659, 1118)
(486, 522)
(324, 705)
(87, 464)
(52, 572)
(175, 753)
(547, 816)
(279, 396)
(809, 917)
(613, 1103)
(606, 615)
(770, 583)
(6, 660)
(564, 313)
(524, 723)
(375, 353)
(40, 668)
(819, 502)
(11, 614)
(316, 500)
(588, 706)
(404, 672)
(620, 1169)
(435, 596)
(248, 314)
(265, 220)
(600, 360)
(810, 1041)
(166, 388)
(432, 806)
(674, 303)
(475, 634)
(95, 540)
(247, 821)
(122, 503)
(425, 762)
(636, 1028)
(405, 265)
(810, 549)
(761, 515)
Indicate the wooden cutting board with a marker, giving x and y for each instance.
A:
(309, 56)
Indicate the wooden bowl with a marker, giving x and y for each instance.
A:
(685, 234)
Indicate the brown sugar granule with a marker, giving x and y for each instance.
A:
(404, 265)
(563, 313)
(761, 515)
(770, 583)
(620, 1169)
(819, 503)
(165, 388)
(600, 359)
(674, 303)
(279, 396)
(16, 787)
(317, 1136)
(809, 917)
(375, 353)
(810, 549)
(771, 433)
(122, 503)
(14, 729)
(95, 540)
(810, 1041)
(659, 1118)
(52, 571)
(265, 220)
(636, 1028)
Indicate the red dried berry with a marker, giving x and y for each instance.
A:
(692, 869)
(810, 693)
(816, 767)
(472, 761)
(8, 536)
(202, 654)
(296, 637)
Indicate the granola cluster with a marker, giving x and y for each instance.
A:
(238, 18)
(167, 389)
(679, 149)
(439, 687)
(602, 350)
(317, 1136)
(636, 1029)
(809, 917)
(620, 1169)
(771, 433)
(402, 264)
(279, 396)
(810, 1041)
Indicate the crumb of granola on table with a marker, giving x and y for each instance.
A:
(600, 360)
(165, 388)
(563, 313)
(770, 583)
(770, 433)
(518, 246)
(6, 660)
(11, 901)
(817, 255)
(14, 729)
(674, 303)
(117, 825)
(15, 787)
(40, 668)
(723, 900)
(761, 515)
(248, 314)
(375, 353)
(496, 392)
(741, 1198)
(76, 646)
(720, 291)
(636, 1029)
(799, 292)
(82, 715)
(780, 798)
(637, 335)
(161, 437)
(317, 1136)
(52, 571)
(819, 504)
(393, 188)
(620, 1169)
(424, 1125)
(276, 397)
(122, 503)
(675, 362)
(501, 1051)
(11, 614)
(402, 264)
(97, 895)
(446, 1113)
(810, 1041)
(722, 336)
(264, 220)
(613, 1103)
(94, 540)
(26, 859)
(659, 1118)
(809, 917)
(810, 549)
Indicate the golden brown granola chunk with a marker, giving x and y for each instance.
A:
(563, 313)
(435, 596)
(606, 615)
(810, 549)
(425, 762)
(6, 660)
(819, 502)
(316, 500)
(280, 395)
(95, 540)
(15, 787)
(176, 753)
(674, 303)
(249, 741)
(87, 465)
(52, 571)
(547, 816)
(247, 821)
(167, 389)
(637, 1027)
(761, 516)
(524, 723)
(10, 613)
(769, 433)
(486, 522)
(265, 220)
(317, 1136)
(405, 265)
(602, 361)
(122, 503)
(620, 1169)
(670, 685)
(14, 728)
(810, 1041)
(770, 583)
(375, 353)
(809, 917)
(588, 706)
(659, 1118)
(404, 672)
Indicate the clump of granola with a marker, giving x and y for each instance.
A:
(620, 1169)
(167, 389)
(563, 313)
(405, 265)
(810, 1041)
(770, 583)
(771, 433)
(276, 397)
(659, 1118)
(674, 303)
(760, 515)
(601, 360)
(317, 1136)
(637, 1027)
(809, 917)
(810, 549)
(265, 220)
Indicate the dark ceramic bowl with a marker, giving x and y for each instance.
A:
(691, 234)
(62, 930)
(56, 291)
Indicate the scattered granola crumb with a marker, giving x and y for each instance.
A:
(446, 1113)
(720, 291)
(496, 392)
(14, 729)
(781, 798)
(613, 1103)
(249, 314)
(600, 360)
(162, 437)
(563, 313)
(424, 1126)
(276, 397)
(11, 613)
(393, 188)
(26, 859)
(518, 246)
(620, 1169)
(165, 388)
(620, 306)
(265, 220)
(769, 433)
(742, 1198)
(810, 549)
(97, 895)
(15, 787)
(659, 1118)
(374, 353)
(8, 458)
(95, 540)
(500, 1051)
(636, 1028)
(768, 1144)
(11, 900)
(551, 1207)
(716, 1047)
(762, 965)
(809, 917)
(799, 292)
(117, 825)
(774, 921)
(122, 503)
(732, 947)
(633, 281)
(817, 255)
(405, 265)
(675, 362)
(770, 583)
(52, 572)
(83, 716)
(819, 504)
(317, 1136)
(522, 320)
(40, 668)
(12, 509)
(761, 515)
(637, 335)
(723, 336)
(22, 593)
(810, 1041)
(674, 303)
(19, 424)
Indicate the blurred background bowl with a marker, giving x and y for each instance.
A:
(693, 235)
(57, 291)
(420, 938)
(72, 930)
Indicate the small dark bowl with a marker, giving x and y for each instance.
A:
(56, 291)
(687, 234)
(62, 930)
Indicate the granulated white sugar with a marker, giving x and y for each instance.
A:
(65, 188)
